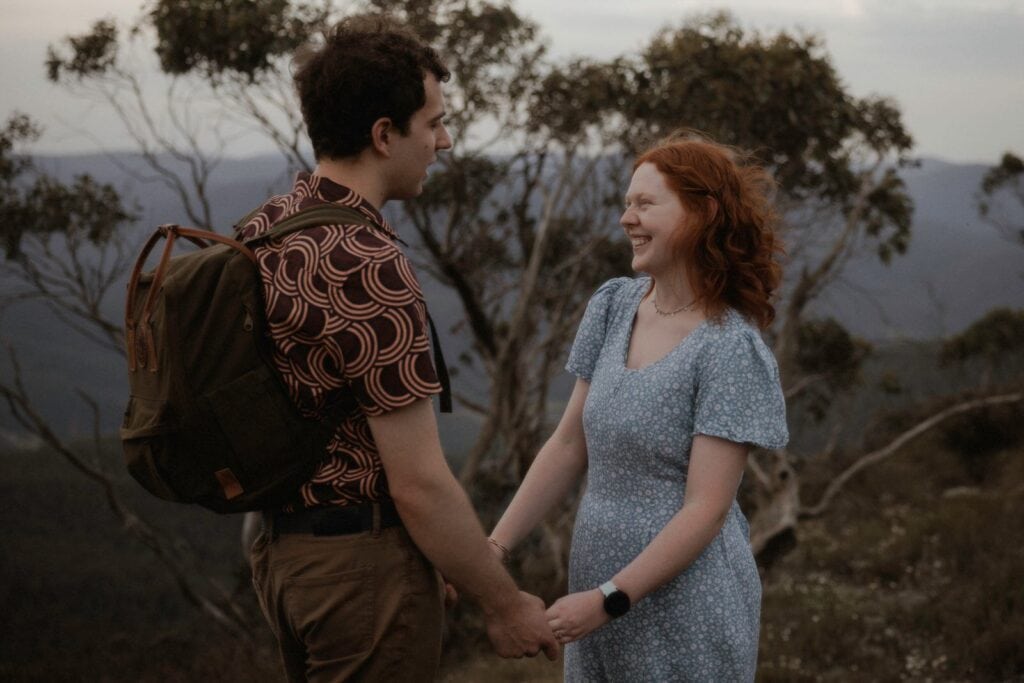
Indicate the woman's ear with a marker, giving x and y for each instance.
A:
(380, 136)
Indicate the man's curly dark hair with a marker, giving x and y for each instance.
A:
(368, 68)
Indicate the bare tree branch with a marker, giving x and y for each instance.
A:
(803, 384)
(894, 446)
(195, 587)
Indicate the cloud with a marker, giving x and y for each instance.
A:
(950, 64)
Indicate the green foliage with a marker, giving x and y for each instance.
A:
(776, 93)
(780, 96)
(1009, 170)
(91, 54)
(574, 96)
(826, 349)
(977, 436)
(889, 207)
(237, 36)
(493, 52)
(44, 206)
(998, 332)
(1006, 178)
(19, 129)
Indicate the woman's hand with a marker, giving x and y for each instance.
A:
(577, 614)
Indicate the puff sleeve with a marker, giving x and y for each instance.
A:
(739, 395)
(593, 328)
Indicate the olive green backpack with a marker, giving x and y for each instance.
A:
(209, 420)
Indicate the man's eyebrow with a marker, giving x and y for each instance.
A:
(638, 195)
(439, 116)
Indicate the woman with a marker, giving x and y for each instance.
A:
(674, 387)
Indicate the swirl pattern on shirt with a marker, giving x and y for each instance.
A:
(348, 321)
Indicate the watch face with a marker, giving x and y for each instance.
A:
(616, 604)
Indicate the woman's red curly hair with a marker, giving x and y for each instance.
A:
(728, 242)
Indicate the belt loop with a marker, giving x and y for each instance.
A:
(376, 519)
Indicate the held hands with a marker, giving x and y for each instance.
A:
(577, 614)
(451, 594)
(522, 629)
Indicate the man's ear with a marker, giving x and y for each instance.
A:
(381, 134)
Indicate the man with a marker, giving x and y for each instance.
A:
(347, 574)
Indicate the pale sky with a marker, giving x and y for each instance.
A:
(955, 67)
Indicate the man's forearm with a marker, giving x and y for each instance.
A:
(435, 509)
(440, 518)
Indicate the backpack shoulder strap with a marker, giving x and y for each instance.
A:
(322, 214)
(237, 227)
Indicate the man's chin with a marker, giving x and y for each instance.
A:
(406, 194)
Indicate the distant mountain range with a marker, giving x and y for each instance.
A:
(956, 268)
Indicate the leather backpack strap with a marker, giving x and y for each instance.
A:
(139, 332)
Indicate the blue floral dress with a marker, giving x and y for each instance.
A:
(723, 381)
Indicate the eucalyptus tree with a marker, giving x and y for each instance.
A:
(520, 224)
(67, 245)
(1001, 197)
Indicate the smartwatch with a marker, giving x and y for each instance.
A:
(616, 603)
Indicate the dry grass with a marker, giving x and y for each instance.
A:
(491, 669)
(915, 575)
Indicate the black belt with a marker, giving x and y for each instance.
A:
(333, 521)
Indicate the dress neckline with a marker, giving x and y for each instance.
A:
(635, 309)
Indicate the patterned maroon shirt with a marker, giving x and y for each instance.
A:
(348, 322)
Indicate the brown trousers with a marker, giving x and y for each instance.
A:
(361, 607)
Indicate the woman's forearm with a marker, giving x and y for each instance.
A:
(674, 549)
(716, 467)
(557, 468)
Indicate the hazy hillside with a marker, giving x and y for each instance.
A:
(956, 269)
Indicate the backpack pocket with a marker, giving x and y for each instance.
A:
(258, 420)
(147, 437)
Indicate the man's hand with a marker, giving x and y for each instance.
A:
(577, 614)
(522, 629)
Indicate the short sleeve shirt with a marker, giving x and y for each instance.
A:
(348, 321)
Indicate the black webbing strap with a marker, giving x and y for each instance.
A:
(442, 369)
(332, 214)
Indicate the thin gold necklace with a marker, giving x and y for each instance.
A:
(687, 307)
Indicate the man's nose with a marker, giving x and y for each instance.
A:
(445, 140)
